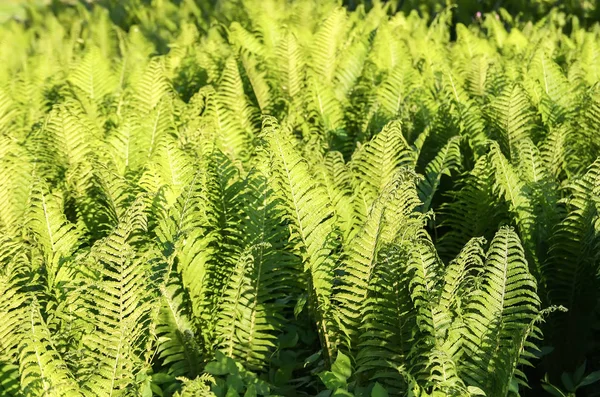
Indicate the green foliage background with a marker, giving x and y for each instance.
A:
(299, 198)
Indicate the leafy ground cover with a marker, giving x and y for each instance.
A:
(298, 199)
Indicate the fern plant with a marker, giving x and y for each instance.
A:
(296, 198)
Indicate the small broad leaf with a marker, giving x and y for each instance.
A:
(218, 367)
(312, 358)
(514, 386)
(235, 382)
(231, 392)
(379, 391)
(300, 305)
(146, 389)
(251, 391)
(475, 391)
(342, 393)
(567, 381)
(553, 390)
(589, 379)
(331, 380)
(156, 390)
(342, 366)
(288, 340)
(262, 387)
(578, 374)
(161, 377)
(233, 366)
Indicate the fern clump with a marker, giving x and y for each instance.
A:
(307, 198)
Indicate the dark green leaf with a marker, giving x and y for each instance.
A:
(251, 391)
(590, 378)
(379, 391)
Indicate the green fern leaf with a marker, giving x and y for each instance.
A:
(43, 372)
(446, 161)
(56, 236)
(313, 225)
(496, 313)
(512, 118)
(376, 162)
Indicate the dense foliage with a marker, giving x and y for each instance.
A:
(291, 198)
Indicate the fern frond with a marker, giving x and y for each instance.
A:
(173, 168)
(496, 313)
(261, 285)
(191, 213)
(56, 236)
(375, 163)
(13, 300)
(519, 200)
(512, 118)
(8, 111)
(232, 138)
(246, 40)
(572, 262)
(9, 380)
(461, 275)
(357, 270)
(290, 66)
(43, 372)
(93, 77)
(177, 347)
(313, 225)
(325, 45)
(325, 109)
(16, 179)
(148, 117)
(198, 387)
(477, 75)
(446, 161)
(426, 271)
(555, 152)
(336, 178)
(397, 86)
(556, 101)
(232, 97)
(152, 87)
(259, 82)
(350, 66)
(73, 136)
(196, 253)
(122, 298)
(388, 320)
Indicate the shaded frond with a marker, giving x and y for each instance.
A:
(446, 161)
(313, 224)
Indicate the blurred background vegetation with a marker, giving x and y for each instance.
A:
(130, 12)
